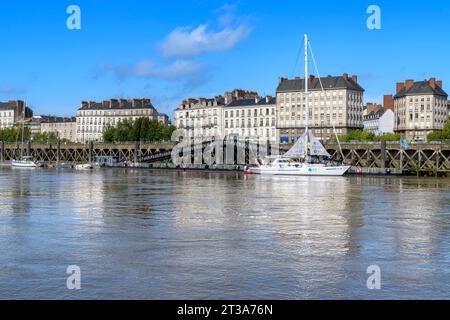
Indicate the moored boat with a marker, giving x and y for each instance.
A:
(308, 157)
(26, 162)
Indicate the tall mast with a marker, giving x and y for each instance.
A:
(306, 84)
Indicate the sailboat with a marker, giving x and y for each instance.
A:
(24, 161)
(306, 157)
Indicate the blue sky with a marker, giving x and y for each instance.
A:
(170, 50)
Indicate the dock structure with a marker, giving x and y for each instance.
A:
(424, 158)
(62, 152)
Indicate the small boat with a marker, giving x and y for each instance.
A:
(86, 166)
(26, 162)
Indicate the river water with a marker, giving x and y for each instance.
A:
(138, 234)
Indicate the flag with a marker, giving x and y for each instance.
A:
(404, 144)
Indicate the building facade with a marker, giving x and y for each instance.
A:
(420, 108)
(94, 117)
(205, 117)
(65, 128)
(251, 118)
(164, 119)
(11, 112)
(340, 103)
(200, 117)
(379, 122)
(371, 121)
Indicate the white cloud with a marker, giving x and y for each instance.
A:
(148, 69)
(7, 89)
(186, 42)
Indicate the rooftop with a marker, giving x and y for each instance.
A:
(253, 102)
(329, 83)
(117, 104)
(55, 119)
(425, 87)
(10, 105)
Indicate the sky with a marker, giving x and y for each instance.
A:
(172, 50)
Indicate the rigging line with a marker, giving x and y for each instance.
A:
(321, 85)
(296, 61)
(315, 65)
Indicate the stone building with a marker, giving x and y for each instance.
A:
(379, 121)
(200, 117)
(251, 118)
(11, 112)
(421, 107)
(340, 103)
(94, 117)
(204, 117)
(65, 128)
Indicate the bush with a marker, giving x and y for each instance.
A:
(359, 135)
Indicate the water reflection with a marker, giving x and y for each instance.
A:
(175, 235)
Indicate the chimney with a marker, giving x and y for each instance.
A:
(123, 102)
(439, 83)
(345, 76)
(311, 79)
(388, 102)
(355, 78)
(432, 83)
(400, 87)
(409, 84)
(298, 78)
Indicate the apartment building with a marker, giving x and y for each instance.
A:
(379, 121)
(204, 117)
(164, 119)
(339, 104)
(11, 112)
(421, 107)
(251, 118)
(65, 128)
(200, 117)
(94, 117)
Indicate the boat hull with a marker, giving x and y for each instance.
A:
(25, 164)
(300, 171)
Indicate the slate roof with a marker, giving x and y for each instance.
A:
(115, 106)
(55, 119)
(421, 88)
(8, 105)
(374, 115)
(251, 102)
(329, 82)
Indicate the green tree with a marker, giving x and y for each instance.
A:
(444, 134)
(142, 129)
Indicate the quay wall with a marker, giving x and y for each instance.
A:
(425, 158)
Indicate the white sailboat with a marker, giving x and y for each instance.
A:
(306, 157)
(24, 161)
